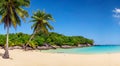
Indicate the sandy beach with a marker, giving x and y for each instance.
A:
(37, 58)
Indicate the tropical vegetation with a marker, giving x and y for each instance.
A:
(54, 39)
(41, 23)
(11, 12)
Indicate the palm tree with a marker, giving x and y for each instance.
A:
(11, 12)
(40, 23)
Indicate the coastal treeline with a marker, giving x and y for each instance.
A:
(53, 39)
(13, 11)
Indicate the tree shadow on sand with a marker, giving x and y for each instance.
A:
(1, 54)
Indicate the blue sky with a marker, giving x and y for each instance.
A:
(94, 19)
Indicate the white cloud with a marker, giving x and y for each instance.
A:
(116, 12)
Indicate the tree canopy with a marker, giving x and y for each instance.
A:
(18, 39)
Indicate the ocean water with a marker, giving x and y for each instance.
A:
(103, 49)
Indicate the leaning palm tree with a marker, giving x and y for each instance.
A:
(11, 11)
(40, 23)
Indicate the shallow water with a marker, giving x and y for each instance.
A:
(87, 50)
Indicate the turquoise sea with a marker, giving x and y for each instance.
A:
(87, 50)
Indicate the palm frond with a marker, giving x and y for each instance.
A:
(41, 22)
(12, 11)
(49, 26)
(3, 17)
(25, 3)
(12, 16)
(22, 13)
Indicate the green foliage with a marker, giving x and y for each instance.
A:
(18, 39)
(41, 23)
(53, 39)
(90, 41)
(12, 11)
(39, 40)
(2, 39)
(33, 44)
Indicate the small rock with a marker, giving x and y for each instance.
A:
(17, 47)
(10, 48)
(42, 48)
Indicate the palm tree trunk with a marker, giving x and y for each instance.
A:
(6, 54)
(29, 40)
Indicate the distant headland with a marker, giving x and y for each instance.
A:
(43, 42)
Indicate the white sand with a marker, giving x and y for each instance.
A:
(36, 58)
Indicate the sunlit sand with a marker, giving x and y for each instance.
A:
(37, 58)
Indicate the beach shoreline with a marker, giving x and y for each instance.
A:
(36, 58)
